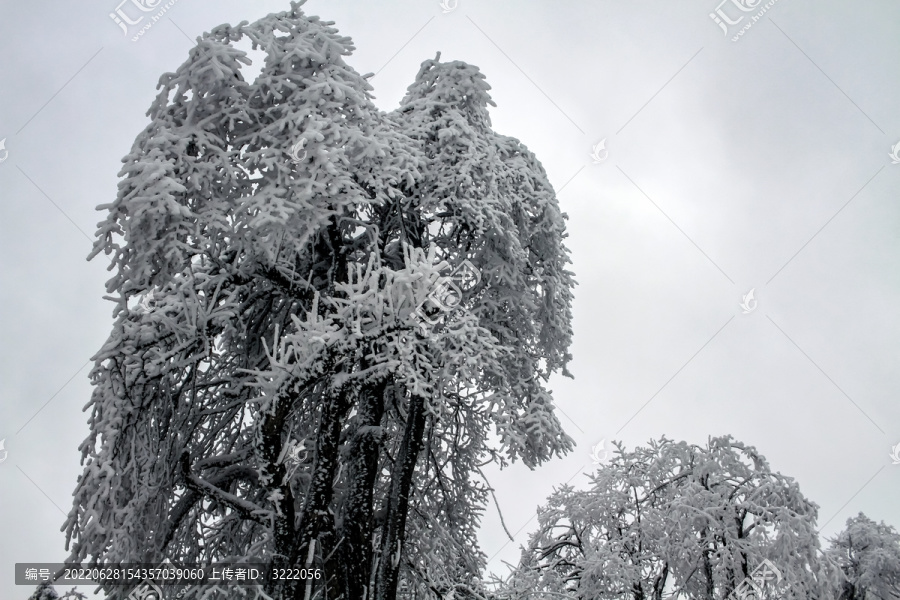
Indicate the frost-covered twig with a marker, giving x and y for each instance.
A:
(245, 508)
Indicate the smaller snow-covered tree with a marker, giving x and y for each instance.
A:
(868, 554)
(674, 520)
(45, 591)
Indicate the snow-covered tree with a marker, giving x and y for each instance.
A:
(868, 555)
(674, 520)
(44, 591)
(267, 392)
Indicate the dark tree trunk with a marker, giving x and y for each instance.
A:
(316, 517)
(269, 448)
(660, 584)
(394, 531)
(848, 591)
(708, 576)
(637, 590)
(357, 515)
(329, 266)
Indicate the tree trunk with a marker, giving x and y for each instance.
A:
(357, 516)
(394, 531)
(316, 517)
(660, 584)
(269, 449)
(708, 576)
(329, 266)
(637, 590)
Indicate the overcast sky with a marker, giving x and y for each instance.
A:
(758, 164)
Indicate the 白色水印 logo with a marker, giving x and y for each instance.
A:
(137, 11)
(296, 149)
(895, 154)
(599, 152)
(446, 295)
(733, 16)
(748, 302)
(600, 455)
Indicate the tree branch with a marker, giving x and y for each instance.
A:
(245, 508)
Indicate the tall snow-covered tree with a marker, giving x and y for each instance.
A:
(674, 520)
(268, 392)
(868, 555)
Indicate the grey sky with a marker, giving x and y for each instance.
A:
(762, 163)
